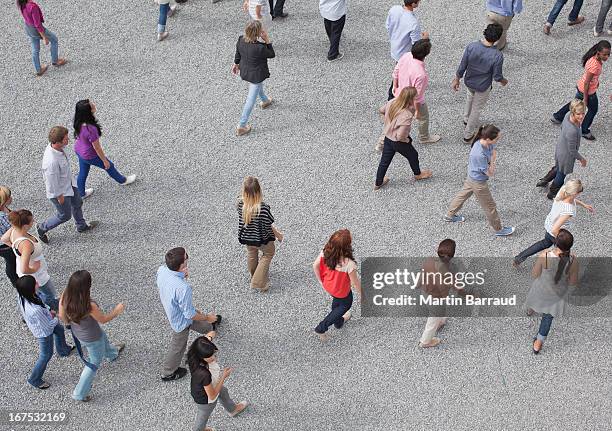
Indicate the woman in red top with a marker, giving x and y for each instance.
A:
(33, 17)
(336, 270)
(586, 87)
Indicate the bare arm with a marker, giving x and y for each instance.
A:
(212, 392)
(587, 81)
(25, 248)
(560, 222)
(99, 315)
(277, 234)
(356, 282)
(6, 238)
(316, 267)
(536, 271)
(100, 152)
(585, 206)
(573, 273)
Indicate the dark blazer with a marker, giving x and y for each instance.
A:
(253, 60)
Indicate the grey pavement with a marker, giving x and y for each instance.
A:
(168, 112)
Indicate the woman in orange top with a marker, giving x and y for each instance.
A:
(587, 85)
(336, 270)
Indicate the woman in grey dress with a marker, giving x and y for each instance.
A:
(555, 273)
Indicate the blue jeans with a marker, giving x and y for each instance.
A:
(544, 327)
(255, 90)
(97, 351)
(554, 13)
(84, 166)
(601, 17)
(163, 16)
(547, 242)
(47, 294)
(72, 207)
(338, 308)
(592, 108)
(35, 41)
(46, 351)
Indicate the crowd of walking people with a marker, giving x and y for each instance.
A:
(49, 315)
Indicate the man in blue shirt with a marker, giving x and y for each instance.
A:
(502, 12)
(481, 64)
(481, 166)
(176, 297)
(404, 30)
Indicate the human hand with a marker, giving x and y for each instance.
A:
(227, 372)
(504, 82)
(106, 164)
(589, 208)
(35, 265)
(425, 35)
(455, 84)
(46, 41)
(280, 236)
(60, 199)
(211, 317)
(211, 335)
(264, 35)
(583, 163)
(119, 309)
(245, 5)
(235, 69)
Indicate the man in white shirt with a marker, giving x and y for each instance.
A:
(61, 186)
(334, 16)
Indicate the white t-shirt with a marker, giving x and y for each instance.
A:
(559, 208)
(265, 8)
(332, 10)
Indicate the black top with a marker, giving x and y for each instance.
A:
(200, 378)
(259, 232)
(253, 60)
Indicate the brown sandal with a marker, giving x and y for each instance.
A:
(42, 70)
(60, 62)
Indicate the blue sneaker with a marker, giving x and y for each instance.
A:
(505, 231)
(454, 219)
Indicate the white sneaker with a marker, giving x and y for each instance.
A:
(129, 179)
(347, 316)
(88, 193)
(162, 36)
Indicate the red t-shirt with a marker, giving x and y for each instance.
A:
(336, 282)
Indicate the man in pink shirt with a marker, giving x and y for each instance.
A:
(410, 72)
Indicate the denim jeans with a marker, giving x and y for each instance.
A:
(163, 16)
(84, 166)
(46, 351)
(97, 351)
(72, 207)
(547, 242)
(391, 147)
(47, 294)
(544, 326)
(35, 41)
(592, 108)
(603, 12)
(554, 13)
(255, 91)
(338, 308)
(559, 179)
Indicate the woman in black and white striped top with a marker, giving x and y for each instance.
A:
(256, 230)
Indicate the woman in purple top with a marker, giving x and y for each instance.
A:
(87, 132)
(35, 30)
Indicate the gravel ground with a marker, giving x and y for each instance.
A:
(169, 110)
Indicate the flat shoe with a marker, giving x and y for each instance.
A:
(423, 175)
(239, 408)
(579, 20)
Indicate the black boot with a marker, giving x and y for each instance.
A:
(543, 182)
(552, 192)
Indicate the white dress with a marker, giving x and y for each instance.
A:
(545, 296)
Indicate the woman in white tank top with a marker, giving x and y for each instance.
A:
(29, 255)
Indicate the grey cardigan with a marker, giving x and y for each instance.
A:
(568, 144)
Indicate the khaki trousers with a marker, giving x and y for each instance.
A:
(259, 267)
(474, 105)
(431, 327)
(504, 21)
(178, 344)
(423, 122)
(484, 197)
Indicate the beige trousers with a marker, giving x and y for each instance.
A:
(423, 122)
(431, 327)
(259, 267)
(484, 197)
(474, 105)
(504, 21)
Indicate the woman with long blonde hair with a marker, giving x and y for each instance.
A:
(560, 215)
(256, 230)
(399, 113)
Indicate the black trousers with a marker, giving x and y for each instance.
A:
(338, 308)
(276, 10)
(405, 149)
(334, 31)
(11, 262)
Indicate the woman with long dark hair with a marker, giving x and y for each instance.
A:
(84, 316)
(36, 31)
(208, 382)
(5, 250)
(398, 115)
(587, 85)
(555, 272)
(44, 326)
(87, 132)
(481, 166)
(29, 256)
(336, 271)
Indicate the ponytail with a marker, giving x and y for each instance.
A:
(486, 131)
(598, 47)
(564, 242)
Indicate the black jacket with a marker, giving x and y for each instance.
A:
(253, 60)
